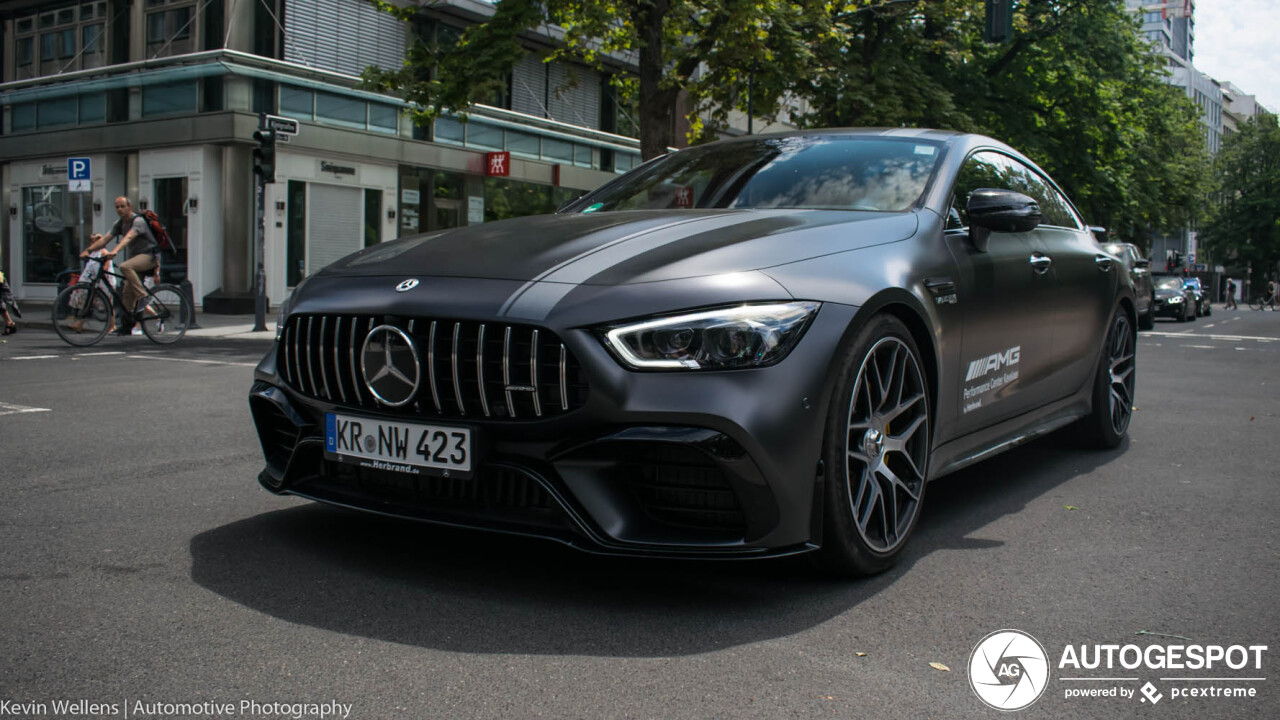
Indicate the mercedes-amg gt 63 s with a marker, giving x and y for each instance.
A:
(756, 347)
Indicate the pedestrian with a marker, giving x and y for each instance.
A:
(1271, 293)
(1231, 295)
(131, 231)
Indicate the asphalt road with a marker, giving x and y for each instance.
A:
(141, 563)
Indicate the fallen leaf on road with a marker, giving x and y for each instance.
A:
(1251, 417)
(860, 654)
(939, 666)
(1070, 507)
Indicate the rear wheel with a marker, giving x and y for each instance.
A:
(166, 318)
(81, 314)
(876, 451)
(1113, 386)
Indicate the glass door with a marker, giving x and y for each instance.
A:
(171, 206)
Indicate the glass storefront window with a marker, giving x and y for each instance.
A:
(93, 108)
(169, 98)
(511, 198)
(448, 130)
(484, 136)
(51, 225)
(53, 113)
(522, 144)
(557, 150)
(383, 117)
(295, 102)
(24, 116)
(338, 108)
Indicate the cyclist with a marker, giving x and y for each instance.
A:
(6, 297)
(131, 231)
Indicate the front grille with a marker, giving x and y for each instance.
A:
(681, 486)
(469, 369)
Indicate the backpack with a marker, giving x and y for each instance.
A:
(157, 231)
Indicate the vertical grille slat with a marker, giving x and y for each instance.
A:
(324, 372)
(311, 375)
(337, 361)
(319, 356)
(431, 366)
(564, 379)
(484, 401)
(533, 374)
(506, 369)
(351, 355)
(457, 380)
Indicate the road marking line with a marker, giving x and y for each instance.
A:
(1213, 336)
(97, 354)
(188, 360)
(1210, 325)
(36, 357)
(8, 409)
(1202, 347)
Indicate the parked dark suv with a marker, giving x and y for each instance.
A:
(1203, 307)
(1140, 271)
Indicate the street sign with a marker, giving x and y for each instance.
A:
(79, 178)
(282, 125)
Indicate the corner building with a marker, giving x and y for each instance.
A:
(163, 97)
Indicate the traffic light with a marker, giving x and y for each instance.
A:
(264, 156)
(999, 27)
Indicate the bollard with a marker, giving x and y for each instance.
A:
(188, 292)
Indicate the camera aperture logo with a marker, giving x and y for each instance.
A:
(1008, 670)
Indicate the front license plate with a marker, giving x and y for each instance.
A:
(399, 446)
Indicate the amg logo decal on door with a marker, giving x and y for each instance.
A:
(995, 361)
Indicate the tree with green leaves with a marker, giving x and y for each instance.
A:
(708, 49)
(1077, 89)
(1244, 228)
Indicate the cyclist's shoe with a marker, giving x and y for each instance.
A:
(76, 327)
(9, 329)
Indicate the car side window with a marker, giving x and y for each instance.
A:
(995, 170)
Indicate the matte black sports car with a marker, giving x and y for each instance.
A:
(751, 348)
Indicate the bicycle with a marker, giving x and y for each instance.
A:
(164, 316)
(1258, 302)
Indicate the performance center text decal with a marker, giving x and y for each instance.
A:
(1009, 670)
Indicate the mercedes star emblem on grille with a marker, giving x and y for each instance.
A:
(406, 285)
(389, 363)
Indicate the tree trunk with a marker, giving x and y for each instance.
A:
(657, 105)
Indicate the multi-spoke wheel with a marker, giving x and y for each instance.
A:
(1114, 385)
(876, 450)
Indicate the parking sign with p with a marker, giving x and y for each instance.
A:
(79, 178)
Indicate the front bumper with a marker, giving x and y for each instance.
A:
(673, 464)
(1164, 308)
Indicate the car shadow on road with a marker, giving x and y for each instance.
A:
(475, 592)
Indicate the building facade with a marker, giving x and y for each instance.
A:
(163, 98)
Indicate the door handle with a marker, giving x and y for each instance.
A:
(1103, 262)
(1040, 262)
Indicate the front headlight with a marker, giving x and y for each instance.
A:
(1175, 299)
(738, 337)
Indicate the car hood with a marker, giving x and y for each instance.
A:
(621, 248)
(1166, 294)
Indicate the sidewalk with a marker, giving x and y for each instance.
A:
(39, 314)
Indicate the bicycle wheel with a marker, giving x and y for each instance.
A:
(1255, 303)
(172, 315)
(82, 314)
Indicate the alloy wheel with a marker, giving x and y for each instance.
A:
(1121, 360)
(887, 444)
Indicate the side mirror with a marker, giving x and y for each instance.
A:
(992, 210)
(1143, 264)
(1099, 232)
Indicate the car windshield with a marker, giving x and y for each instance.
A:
(1193, 284)
(817, 172)
(1169, 283)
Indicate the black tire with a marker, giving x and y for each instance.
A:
(1147, 320)
(173, 315)
(1113, 385)
(84, 305)
(882, 386)
(1208, 309)
(1182, 313)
